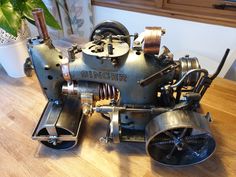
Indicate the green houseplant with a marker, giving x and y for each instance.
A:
(13, 15)
(13, 11)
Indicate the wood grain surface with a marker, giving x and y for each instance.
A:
(22, 102)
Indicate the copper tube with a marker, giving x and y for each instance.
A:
(40, 23)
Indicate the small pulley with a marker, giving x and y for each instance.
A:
(187, 64)
(152, 40)
(179, 138)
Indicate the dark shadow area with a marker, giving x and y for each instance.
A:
(211, 167)
(17, 82)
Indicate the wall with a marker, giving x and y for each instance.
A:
(208, 42)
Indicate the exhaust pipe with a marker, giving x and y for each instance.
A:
(40, 23)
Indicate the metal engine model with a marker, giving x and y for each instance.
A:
(151, 97)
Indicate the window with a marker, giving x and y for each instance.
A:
(222, 12)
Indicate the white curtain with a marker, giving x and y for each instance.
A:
(74, 16)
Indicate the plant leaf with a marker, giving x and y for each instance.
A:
(10, 20)
(29, 5)
(17, 5)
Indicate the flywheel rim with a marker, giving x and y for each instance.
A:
(168, 148)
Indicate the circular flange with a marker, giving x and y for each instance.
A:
(111, 27)
(179, 138)
(187, 64)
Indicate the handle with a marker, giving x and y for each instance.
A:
(225, 5)
(221, 64)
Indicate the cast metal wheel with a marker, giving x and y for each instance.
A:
(58, 144)
(179, 138)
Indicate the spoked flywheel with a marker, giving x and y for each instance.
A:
(110, 27)
(179, 138)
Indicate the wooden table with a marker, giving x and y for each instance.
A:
(22, 102)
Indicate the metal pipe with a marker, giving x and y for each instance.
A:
(40, 23)
(187, 74)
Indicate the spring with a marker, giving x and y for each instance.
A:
(107, 92)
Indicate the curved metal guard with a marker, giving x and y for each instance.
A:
(59, 125)
(179, 138)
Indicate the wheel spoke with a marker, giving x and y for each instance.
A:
(195, 141)
(169, 134)
(163, 142)
(195, 137)
(183, 133)
(192, 150)
(179, 138)
(171, 152)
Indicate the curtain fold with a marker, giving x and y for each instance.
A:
(75, 17)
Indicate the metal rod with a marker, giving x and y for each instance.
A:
(187, 74)
(221, 64)
(40, 23)
(157, 75)
(107, 109)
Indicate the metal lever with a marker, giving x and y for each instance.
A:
(157, 75)
(206, 81)
(221, 64)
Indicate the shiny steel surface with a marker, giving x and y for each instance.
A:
(115, 126)
(65, 69)
(187, 64)
(179, 138)
(187, 74)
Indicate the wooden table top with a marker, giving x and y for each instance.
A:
(22, 102)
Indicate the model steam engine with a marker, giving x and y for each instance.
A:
(152, 98)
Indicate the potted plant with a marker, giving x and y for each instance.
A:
(14, 31)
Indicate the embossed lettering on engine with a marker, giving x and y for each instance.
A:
(103, 75)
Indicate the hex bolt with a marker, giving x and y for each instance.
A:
(163, 31)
